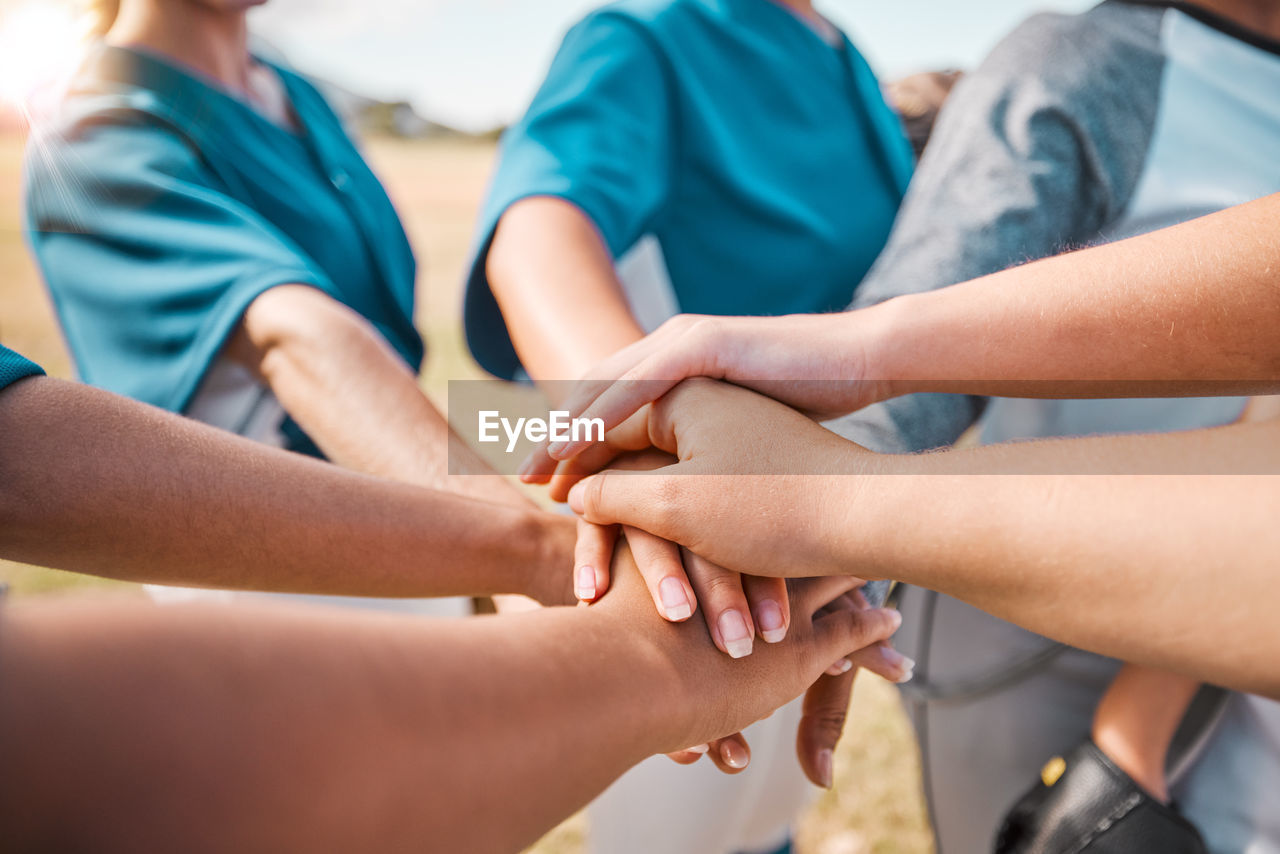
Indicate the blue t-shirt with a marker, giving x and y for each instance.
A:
(14, 367)
(159, 206)
(762, 158)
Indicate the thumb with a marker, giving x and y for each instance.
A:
(645, 500)
(826, 704)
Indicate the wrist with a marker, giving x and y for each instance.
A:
(877, 497)
(546, 564)
(649, 659)
(887, 344)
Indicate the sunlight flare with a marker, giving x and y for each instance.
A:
(40, 45)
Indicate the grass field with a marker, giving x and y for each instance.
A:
(875, 807)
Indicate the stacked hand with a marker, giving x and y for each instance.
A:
(673, 493)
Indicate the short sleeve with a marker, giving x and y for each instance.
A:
(597, 134)
(14, 367)
(150, 261)
(1034, 153)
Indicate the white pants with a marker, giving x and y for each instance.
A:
(660, 806)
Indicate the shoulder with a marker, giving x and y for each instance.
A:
(101, 155)
(110, 135)
(655, 23)
(1093, 52)
(655, 15)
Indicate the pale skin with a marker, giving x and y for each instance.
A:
(308, 348)
(1137, 718)
(1198, 322)
(1184, 311)
(296, 729)
(555, 281)
(1174, 534)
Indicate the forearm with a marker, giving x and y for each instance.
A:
(356, 398)
(1189, 310)
(1169, 562)
(261, 730)
(554, 278)
(148, 496)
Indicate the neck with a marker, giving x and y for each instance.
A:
(1261, 16)
(212, 42)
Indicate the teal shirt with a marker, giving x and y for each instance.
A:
(159, 206)
(14, 367)
(763, 159)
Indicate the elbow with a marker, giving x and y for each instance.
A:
(499, 260)
(296, 325)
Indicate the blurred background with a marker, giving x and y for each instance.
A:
(431, 84)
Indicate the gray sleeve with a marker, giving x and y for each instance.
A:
(1034, 153)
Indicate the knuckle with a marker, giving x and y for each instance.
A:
(826, 725)
(719, 586)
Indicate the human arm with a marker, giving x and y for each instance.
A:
(95, 483)
(581, 178)
(1184, 311)
(1016, 530)
(1137, 719)
(344, 385)
(555, 280)
(269, 730)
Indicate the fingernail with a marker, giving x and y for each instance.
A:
(898, 661)
(733, 754)
(525, 465)
(576, 499)
(769, 619)
(701, 748)
(895, 618)
(908, 674)
(840, 668)
(824, 763)
(555, 450)
(675, 602)
(586, 587)
(735, 634)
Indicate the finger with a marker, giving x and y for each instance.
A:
(566, 474)
(724, 604)
(592, 556)
(810, 595)
(732, 754)
(645, 500)
(664, 574)
(620, 400)
(884, 661)
(599, 457)
(538, 467)
(843, 633)
(770, 606)
(689, 756)
(826, 705)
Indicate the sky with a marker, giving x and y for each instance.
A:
(476, 63)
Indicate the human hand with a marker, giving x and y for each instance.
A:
(773, 518)
(735, 607)
(714, 694)
(818, 364)
(826, 705)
